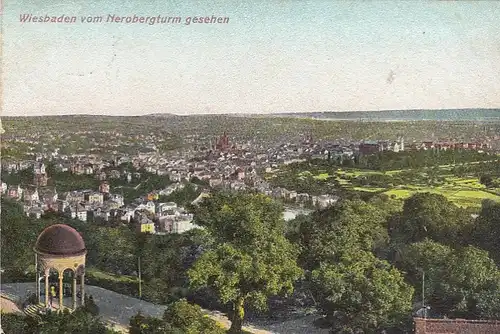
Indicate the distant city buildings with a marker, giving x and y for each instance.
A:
(372, 147)
(223, 165)
(450, 145)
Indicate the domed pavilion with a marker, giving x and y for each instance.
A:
(59, 248)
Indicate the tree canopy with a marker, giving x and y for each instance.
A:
(347, 226)
(463, 282)
(251, 259)
(361, 292)
(487, 229)
(428, 215)
(18, 237)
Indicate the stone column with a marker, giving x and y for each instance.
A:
(82, 288)
(74, 290)
(61, 305)
(37, 286)
(47, 288)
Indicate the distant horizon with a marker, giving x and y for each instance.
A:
(259, 114)
(252, 58)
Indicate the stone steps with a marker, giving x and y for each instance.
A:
(34, 310)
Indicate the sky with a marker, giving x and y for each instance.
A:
(270, 57)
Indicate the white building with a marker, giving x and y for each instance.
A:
(82, 215)
(181, 226)
(169, 206)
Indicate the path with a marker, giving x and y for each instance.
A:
(117, 308)
(8, 306)
(137, 186)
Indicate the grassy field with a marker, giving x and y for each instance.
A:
(322, 176)
(463, 198)
(464, 192)
(93, 272)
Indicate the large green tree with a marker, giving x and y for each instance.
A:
(117, 253)
(487, 229)
(462, 282)
(349, 225)
(361, 292)
(165, 261)
(251, 260)
(428, 215)
(18, 237)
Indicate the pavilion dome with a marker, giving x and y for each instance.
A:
(60, 239)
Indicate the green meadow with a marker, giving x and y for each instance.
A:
(463, 191)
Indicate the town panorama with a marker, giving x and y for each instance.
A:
(368, 223)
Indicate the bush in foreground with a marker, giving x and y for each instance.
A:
(180, 317)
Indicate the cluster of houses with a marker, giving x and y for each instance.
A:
(223, 165)
(149, 215)
(451, 145)
(371, 147)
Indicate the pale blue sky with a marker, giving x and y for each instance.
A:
(272, 56)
